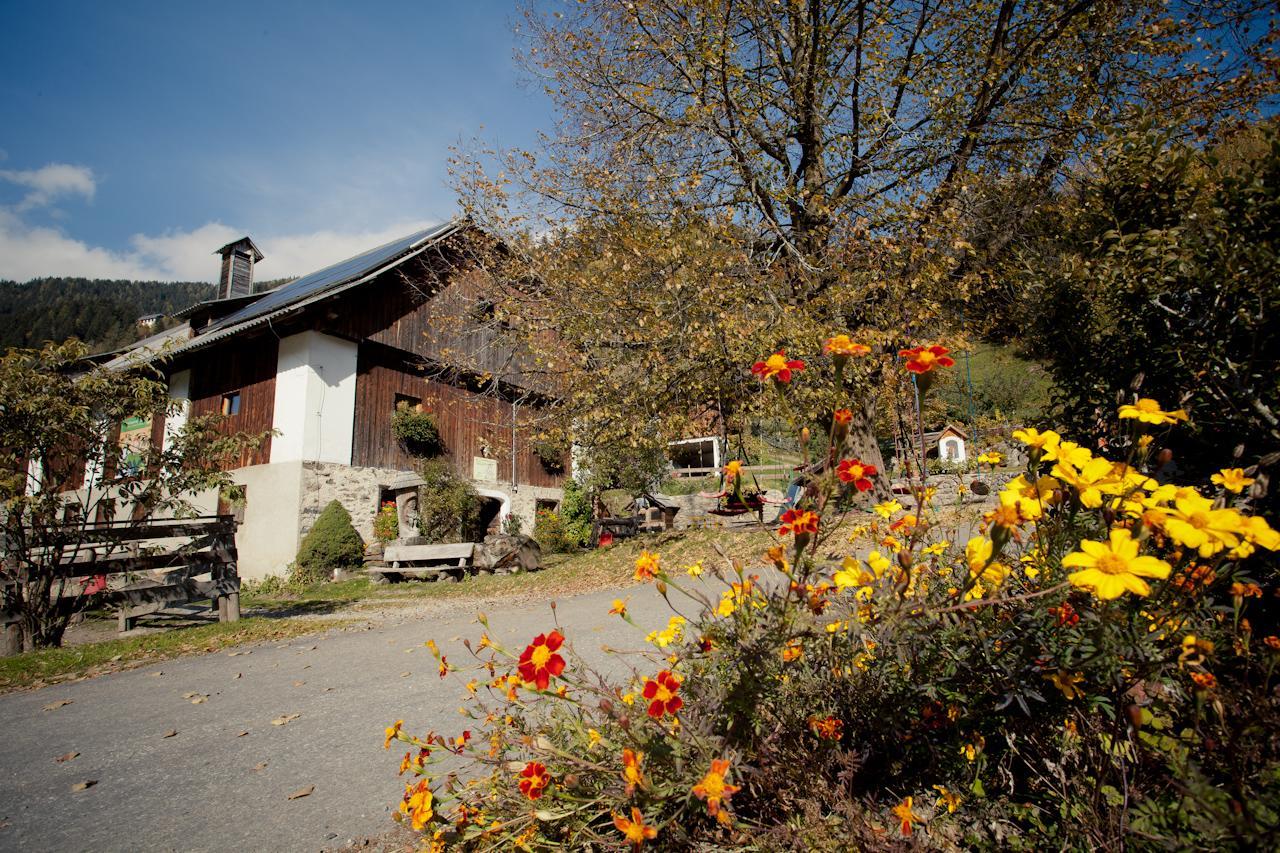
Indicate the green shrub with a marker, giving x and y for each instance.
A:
(513, 526)
(551, 453)
(448, 507)
(417, 430)
(332, 543)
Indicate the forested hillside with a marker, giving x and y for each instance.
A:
(103, 313)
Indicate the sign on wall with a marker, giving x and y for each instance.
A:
(484, 469)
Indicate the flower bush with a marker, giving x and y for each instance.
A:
(1091, 665)
(386, 524)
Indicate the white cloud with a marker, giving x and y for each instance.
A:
(28, 251)
(51, 182)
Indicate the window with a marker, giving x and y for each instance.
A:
(412, 403)
(231, 403)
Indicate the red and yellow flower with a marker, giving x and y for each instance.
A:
(843, 345)
(632, 770)
(647, 566)
(826, 728)
(857, 472)
(417, 803)
(540, 662)
(661, 693)
(733, 470)
(777, 367)
(534, 779)
(925, 359)
(635, 830)
(714, 788)
(906, 817)
(798, 521)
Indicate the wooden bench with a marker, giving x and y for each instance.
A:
(148, 567)
(424, 561)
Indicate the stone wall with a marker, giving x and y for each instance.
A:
(358, 490)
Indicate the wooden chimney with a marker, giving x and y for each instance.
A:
(238, 258)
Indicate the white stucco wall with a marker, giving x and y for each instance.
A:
(951, 449)
(179, 390)
(267, 540)
(315, 400)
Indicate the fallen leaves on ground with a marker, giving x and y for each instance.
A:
(61, 759)
(302, 792)
(53, 706)
(170, 733)
(257, 767)
(85, 785)
(285, 719)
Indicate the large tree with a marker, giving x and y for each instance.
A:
(728, 176)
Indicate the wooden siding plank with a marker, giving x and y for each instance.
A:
(246, 366)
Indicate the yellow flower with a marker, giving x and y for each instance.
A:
(1037, 440)
(1195, 650)
(1194, 523)
(937, 549)
(714, 788)
(971, 749)
(417, 804)
(694, 569)
(593, 738)
(878, 563)
(647, 566)
(619, 608)
(733, 470)
(1148, 411)
(673, 633)
(1112, 568)
(1031, 499)
(978, 553)
(888, 508)
(902, 811)
(1232, 479)
(1066, 682)
(392, 732)
(948, 799)
(852, 574)
(793, 651)
(1090, 480)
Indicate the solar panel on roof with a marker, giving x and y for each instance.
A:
(329, 277)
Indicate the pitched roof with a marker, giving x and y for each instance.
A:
(322, 283)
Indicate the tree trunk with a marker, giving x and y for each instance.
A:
(862, 440)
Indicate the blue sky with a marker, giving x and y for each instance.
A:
(136, 136)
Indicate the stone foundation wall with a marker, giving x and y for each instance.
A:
(358, 490)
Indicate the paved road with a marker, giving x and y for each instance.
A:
(210, 787)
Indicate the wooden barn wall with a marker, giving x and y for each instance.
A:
(430, 308)
(467, 421)
(249, 367)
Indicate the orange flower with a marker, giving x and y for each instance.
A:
(647, 566)
(713, 788)
(1272, 642)
(661, 691)
(798, 521)
(619, 608)
(635, 830)
(534, 779)
(418, 804)
(539, 661)
(841, 345)
(828, 728)
(925, 359)
(632, 773)
(902, 811)
(733, 470)
(392, 732)
(776, 367)
(857, 472)
(793, 651)
(1246, 590)
(843, 417)
(1204, 680)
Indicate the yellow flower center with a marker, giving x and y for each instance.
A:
(1198, 520)
(713, 785)
(1147, 405)
(1113, 564)
(775, 363)
(541, 654)
(662, 694)
(926, 357)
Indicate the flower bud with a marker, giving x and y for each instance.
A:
(606, 706)
(1165, 456)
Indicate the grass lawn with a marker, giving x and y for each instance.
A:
(276, 617)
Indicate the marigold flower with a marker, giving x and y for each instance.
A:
(978, 554)
(1066, 682)
(1272, 642)
(1232, 479)
(1245, 590)
(902, 811)
(1035, 439)
(593, 738)
(714, 788)
(1113, 567)
(798, 521)
(948, 799)
(635, 830)
(1195, 650)
(1148, 411)
(1193, 522)
(417, 803)
(393, 732)
(842, 345)
(693, 570)
(971, 749)
(857, 472)
(888, 508)
(632, 772)
(733, 470)
(826, 728)
(660, 691)
(647, 566)
(1204, 680)
(792, 651)
(619, 608)
(925, 359)
(777, 367)
(842, 417)
(534, 779)
(539, 661)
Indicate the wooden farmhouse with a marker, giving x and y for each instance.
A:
(325, 359)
